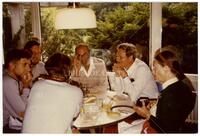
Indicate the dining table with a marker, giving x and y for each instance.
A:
(97, 113)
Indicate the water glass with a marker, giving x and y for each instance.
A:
(91, 111)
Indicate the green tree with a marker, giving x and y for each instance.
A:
(57, 40)
(117, 22)
(126, 22)
(120, 25)
(180, 30)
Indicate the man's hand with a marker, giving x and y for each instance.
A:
(119, 71)
(76, 64)
(26, 80)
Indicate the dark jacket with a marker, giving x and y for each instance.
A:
(174, 105)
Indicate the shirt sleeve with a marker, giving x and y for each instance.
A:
(13, 99)
(134, 89)
(24, 96)
(168, 118)
(154, 122)
(79, 104)
(102, 80)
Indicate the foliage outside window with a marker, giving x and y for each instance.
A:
(180, 30)
(122, 22)
(116, 23)
(28, 24)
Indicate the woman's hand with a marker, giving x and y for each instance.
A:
(142, 111)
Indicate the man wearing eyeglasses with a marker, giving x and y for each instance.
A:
(136, 77)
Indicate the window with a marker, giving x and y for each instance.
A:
(116, 23)
(180, 31)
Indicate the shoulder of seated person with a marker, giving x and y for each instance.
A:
(97, 60)
(41, 63)
(7, 79)
(76, 90)
(139, 62)
(142, 65)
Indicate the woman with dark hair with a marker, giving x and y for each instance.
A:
(176, 100)
(53, 102)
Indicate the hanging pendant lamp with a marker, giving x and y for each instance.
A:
(75, 18)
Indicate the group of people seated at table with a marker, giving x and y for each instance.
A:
(45, 98)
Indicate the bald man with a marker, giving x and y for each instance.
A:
(89, 72)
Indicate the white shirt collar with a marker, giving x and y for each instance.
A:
(55, 82)
(133, 66)
(92, 66)
(169, 82)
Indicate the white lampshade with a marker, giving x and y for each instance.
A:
(75, 18)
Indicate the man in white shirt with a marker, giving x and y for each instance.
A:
(136, 77)
(37, 65)
(15, 95)
(89, 71)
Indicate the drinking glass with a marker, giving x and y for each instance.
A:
(91, 111)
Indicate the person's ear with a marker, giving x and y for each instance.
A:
(166, 68)
(130, 57)
(11, 65)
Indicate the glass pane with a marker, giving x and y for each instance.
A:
(16, 25)
(116, 23)
(180, 31)
(28, 24)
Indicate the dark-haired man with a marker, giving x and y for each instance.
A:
(16, 86)
(37, 65)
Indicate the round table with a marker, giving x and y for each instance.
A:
(104, 118)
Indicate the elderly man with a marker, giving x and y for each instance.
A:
(89, 71)
(37, 66)
(16, 81)
(136, 78)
